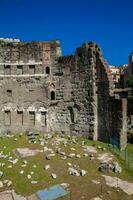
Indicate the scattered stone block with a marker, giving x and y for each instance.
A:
(23, 165)
(90, 149)
(9, 166)
(69, 164)
(5, 181)
(25, 162)
(1, 184)
(48, 157)
(54, 175)
(9, 183)
(34, 182)
(110, 167)
(117, 168)
(13, 161)
(63, 157)
(71, 155)
(73, 172)
(62, 153)
(72, 149)
(29, 176)
(46, 167)
(96, 182)
(78, 156)
(85, 155)
(83, 172)
(65, 185)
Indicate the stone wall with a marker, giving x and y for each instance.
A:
(88, 90)
(45, 92)
(26, 85)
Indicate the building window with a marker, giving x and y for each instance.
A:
(7, 118)
(7, 70)
(20, 117)
(9, 93)
(47, 70)
(52, 95)
(71, 114)
(32, 69)
(19, 69)
(43, 119)
(32, 118)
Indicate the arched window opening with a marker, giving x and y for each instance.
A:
(47, 70)
(52, 95)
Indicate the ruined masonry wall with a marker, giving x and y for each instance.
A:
(25, 86)
(45, 92)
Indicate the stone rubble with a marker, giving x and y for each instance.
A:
(9, 183)
(76, 172)
(83, 172)
(110, 167)
(54, 176)
(90, 149)
(46, 167)
(22, 172)
(1, 184)
(105, 157)
(73, 169)
(29, 176)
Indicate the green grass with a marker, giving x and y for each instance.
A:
(78, 185)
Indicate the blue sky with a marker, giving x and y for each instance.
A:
(108, 22)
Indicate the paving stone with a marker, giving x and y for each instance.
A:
(6, 196)
(25, 152)
(33, 197)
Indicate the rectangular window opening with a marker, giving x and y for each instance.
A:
(32, 118)
(32, 69)
(7, 118)
(20, 117)
(7, 70)
(43, 118)
(9, 93)
(19, 69)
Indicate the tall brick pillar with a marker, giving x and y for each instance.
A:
(123, 133)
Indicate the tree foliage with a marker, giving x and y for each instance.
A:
(130, 81)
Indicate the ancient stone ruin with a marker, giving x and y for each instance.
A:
(43, 91)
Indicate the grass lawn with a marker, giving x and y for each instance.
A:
(80, 187)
